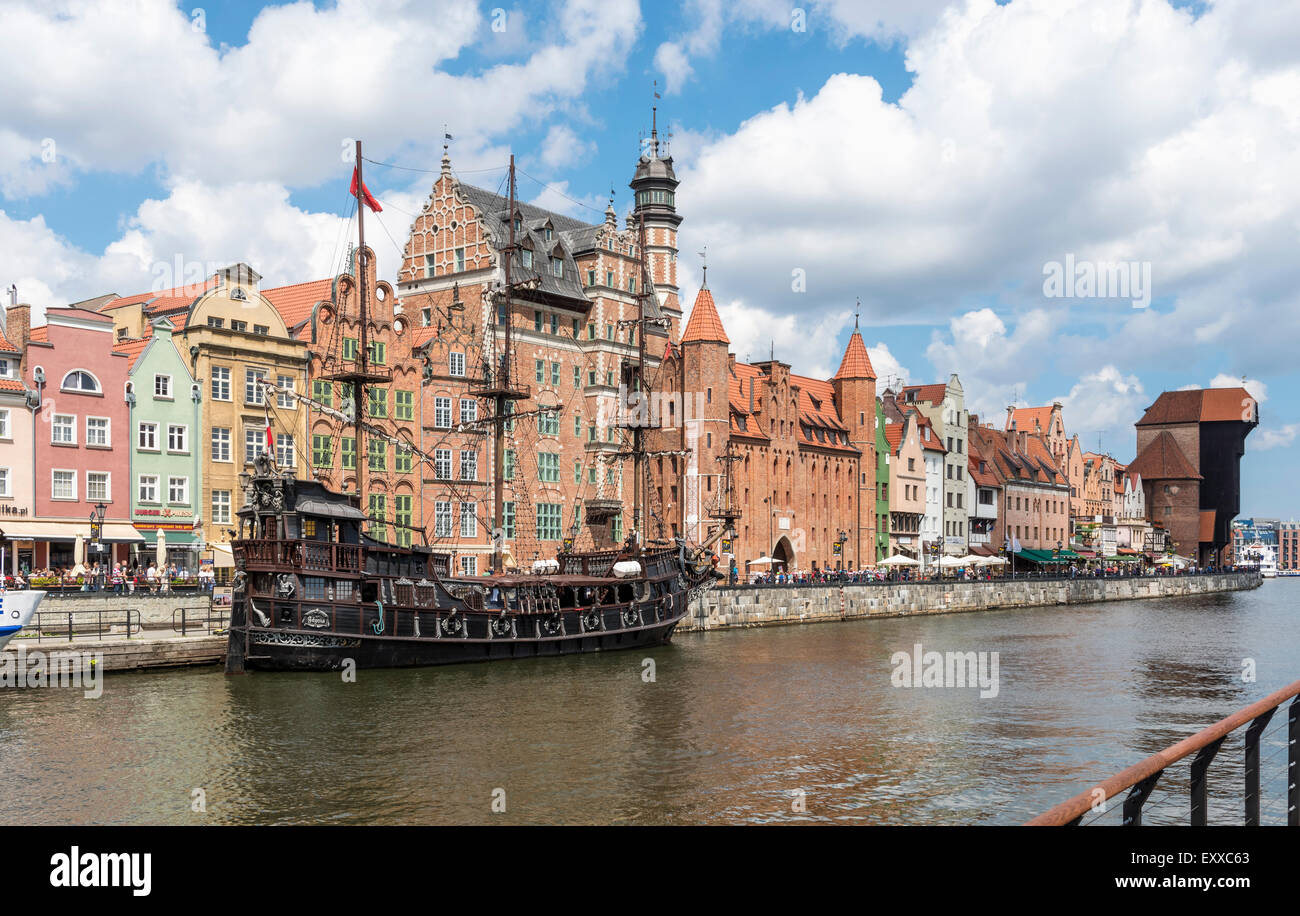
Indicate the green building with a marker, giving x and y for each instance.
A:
(165, 476)
(882, 482)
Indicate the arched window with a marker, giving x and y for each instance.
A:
(80, 380)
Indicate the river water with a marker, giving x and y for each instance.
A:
(785, 724)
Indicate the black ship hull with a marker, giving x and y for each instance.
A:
(271, 649)
(291, 651)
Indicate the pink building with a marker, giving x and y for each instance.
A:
(81, 453)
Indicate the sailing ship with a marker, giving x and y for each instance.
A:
(317, 588)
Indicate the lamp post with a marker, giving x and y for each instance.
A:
(840, 539)
(97, 532)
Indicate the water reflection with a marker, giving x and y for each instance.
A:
(733, 727)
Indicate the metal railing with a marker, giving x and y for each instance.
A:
(82, 624)
(1140, 779)
(212, 619)
(934, 579)
(105, 587)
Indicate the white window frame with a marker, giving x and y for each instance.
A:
(166, 393)
(220, 381)
(469, 520)
(108, 433)
(4, 423)
(184, 448)
(258, 442)
(221, 509)
(215, 441)
(55, 425)
(72, 475)
(468, 410)
(252, 375)
(286, 401)
(184, 488)
(139, 486)
(442, 525)
(108, 487)
(442, 413)
(456, 365)
(442, 464)
(469, 462)
(98, 389)
(6, 479)
(139, 436)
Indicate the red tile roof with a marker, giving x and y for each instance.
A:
(132, 348)
(856, 363)
(704, 323)
(894, 436)
(1162, 459)
(5, 345)
(1032, 419)
(933, 393)
(1200, 405)
(295, 302)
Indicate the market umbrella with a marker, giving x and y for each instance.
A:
(899, 559)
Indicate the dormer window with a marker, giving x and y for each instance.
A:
(80, 380)
(526, 257)
(557, 267)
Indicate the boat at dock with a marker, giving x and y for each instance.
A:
(16, 611)
(320, 584)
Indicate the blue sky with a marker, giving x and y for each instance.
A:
(929, 159)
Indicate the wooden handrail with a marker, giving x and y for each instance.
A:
(1068, 811)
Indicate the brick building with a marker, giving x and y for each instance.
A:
(1189, 448)
(1035, 505)
(325, 315)
(805, 474)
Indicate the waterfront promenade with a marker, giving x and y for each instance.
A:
(134, 633)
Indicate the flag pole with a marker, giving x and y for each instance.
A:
(359, 384)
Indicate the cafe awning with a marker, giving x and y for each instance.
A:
(113, 532)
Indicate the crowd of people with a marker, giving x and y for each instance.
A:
(118, 579)
(979, 574)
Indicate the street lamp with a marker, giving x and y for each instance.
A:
(97, 525)
(840, 538)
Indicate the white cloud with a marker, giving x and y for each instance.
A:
(562, 147)
(281, 106)
(1104, 404)
(1146, 134)
(671, 60)
(888, 369)
(994, 364)
(1258, 390)
(1267, 438)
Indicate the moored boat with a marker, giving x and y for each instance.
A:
(16, 611)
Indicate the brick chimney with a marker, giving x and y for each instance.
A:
(18, 325)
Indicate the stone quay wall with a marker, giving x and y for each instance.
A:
(762, 606)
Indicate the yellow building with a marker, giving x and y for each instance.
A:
(230, 336)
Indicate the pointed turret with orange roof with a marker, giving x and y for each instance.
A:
(856, 363)
(705, 325)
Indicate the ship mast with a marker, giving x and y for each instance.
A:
(359, 385)
(639, 489)
(501, 397)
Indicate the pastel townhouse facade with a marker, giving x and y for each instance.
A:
(906, 485)
(984, 497)
(17, 473)
(944, 405)
(883, 526)
(81, 455)
(326, 316)
(231, 339)
(166, 463)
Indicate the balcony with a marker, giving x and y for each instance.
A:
(317, 556)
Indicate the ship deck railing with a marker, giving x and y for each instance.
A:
(1269, 771)
(301, 553)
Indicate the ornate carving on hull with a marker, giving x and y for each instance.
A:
(317, 618)
(305, 639)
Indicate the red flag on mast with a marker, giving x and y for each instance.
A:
(366, 196)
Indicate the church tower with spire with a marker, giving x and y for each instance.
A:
(654, 187)
(855, 397)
